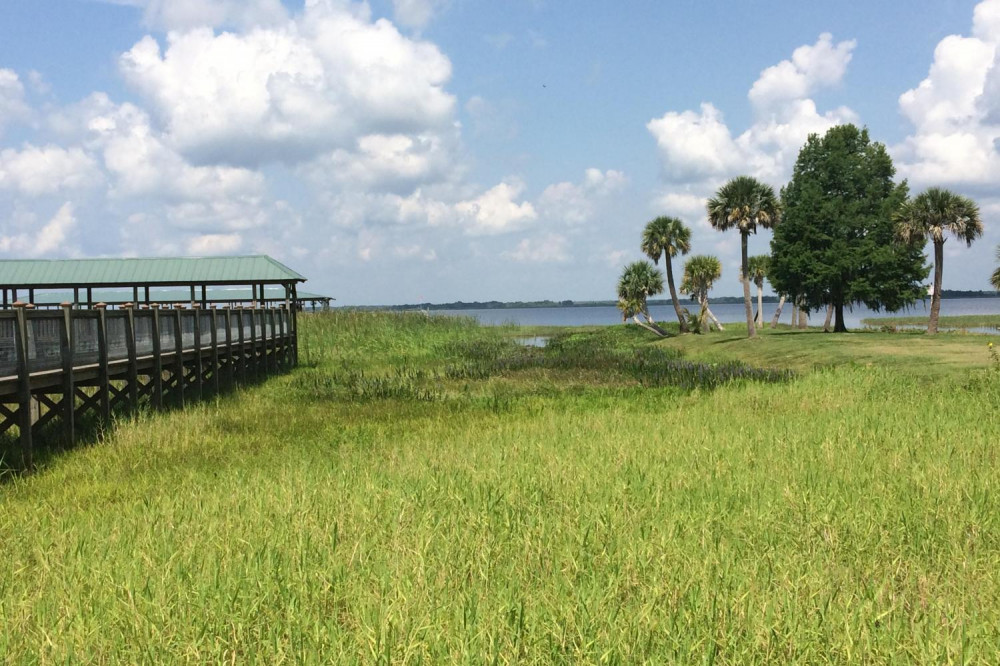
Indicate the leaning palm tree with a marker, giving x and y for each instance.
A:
(639, 281)
(995, 278)
(669, 237)
(930, 215)
(700, 273)
(757, 266)
(744, 203)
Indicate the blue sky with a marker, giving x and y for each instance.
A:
(439, 150)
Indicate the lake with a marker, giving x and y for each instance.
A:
(726, 312)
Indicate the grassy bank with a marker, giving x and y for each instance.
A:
(425, 490)
(957, 321)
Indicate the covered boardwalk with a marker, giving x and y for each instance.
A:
(64, 353)
(255, 280)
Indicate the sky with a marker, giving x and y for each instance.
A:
(407, 151)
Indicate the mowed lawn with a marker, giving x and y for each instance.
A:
(399, 499)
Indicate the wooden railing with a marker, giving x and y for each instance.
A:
(61, 364)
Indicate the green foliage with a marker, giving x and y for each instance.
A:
(700, 273)
(639, 281)
(665, 236)
(836, 242)
(744, 203)
(758, 267)
(935, 213)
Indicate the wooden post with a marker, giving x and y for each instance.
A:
(215, 351)
(133, 361)
(157, 359)
(76, 296)
(192, 295)
(23, 385)
(90, 298)
(67, 352)
(204, 297)
(241, 313)
(146, 288)
(135, 295)
(230, 374)
(197, 351)
(283, 329)
(254, 356)
(267, 328)
(103, 381)
(295, 325)
(279, 317)
(179, 354)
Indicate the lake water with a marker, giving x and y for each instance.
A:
(726, 312)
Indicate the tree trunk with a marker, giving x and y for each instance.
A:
(829, 317)
(795, 311)
(751, 328)
(673, 293)
(649, 327)
(803, 315)
(758, 319)
(839, 326)
(777, 312)
(932, 325)
(712, 316)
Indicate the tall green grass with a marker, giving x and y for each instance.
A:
(535, 515)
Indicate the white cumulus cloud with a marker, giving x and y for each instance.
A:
(496, 210)
(577, 202)
(289, 92)
(35, 171)
(13, 107)
(548, 248)
(698, 147)
(49, 240)
(955, 111)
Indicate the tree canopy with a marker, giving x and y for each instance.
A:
(836, 243)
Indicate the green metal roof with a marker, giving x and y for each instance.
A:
(113, 296)
(24, 273)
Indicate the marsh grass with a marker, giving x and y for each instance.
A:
(542, 515)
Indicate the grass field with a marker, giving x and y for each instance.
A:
(424, 490)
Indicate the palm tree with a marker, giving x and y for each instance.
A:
(669, 237)
(744, 203)
(757, 266)
(931, 215)
(995, 278)
(639, 281)
(700, 273)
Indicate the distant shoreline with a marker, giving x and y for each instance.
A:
(525, 305)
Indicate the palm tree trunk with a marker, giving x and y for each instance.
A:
(829, 318)
(932, 325)
(673, 293)
(751, 328)
(710, 315)
(758, 319)
(777, 312)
